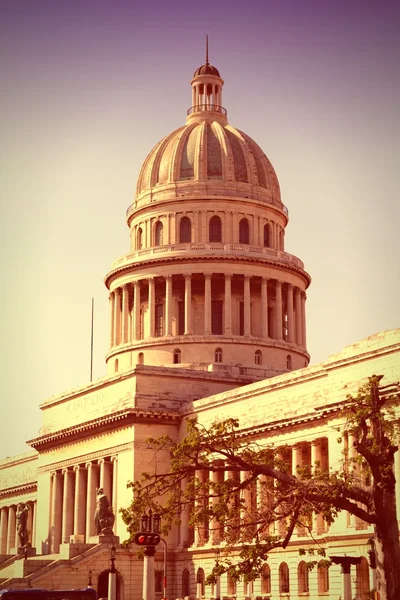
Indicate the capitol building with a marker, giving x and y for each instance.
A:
(207, 319)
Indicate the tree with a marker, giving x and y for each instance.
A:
(259, 511)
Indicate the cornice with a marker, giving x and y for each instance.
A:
(122, 418)
(113, 451)
(18, 489)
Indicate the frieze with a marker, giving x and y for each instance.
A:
(18, 477)
(84, 458)
(87, 401)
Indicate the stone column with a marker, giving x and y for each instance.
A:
(125, 314)
(117, 316)
(199, 533)
(68, 506)
(105, 477)
(3, 530)
(184, 525)
(112, 308)
(246, 299)
(168, 304)
(299, 330)
(188, 304)
(80, 501)
(215, 533)
(228, 305)
(290, 320)
(11, 529)
(316, 457)
(303, 319)
(136, 308)
(264, 307)
(354, 468)
(245, 509)
(207, 303)
(278, 310)
(114, 462)
(92, 469)
(32, 522)
(56, 511)
(151, 306)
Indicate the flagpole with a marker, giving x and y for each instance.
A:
(91, 342)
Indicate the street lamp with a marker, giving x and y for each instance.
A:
(149, 536)
(112, 559)
(90, 579)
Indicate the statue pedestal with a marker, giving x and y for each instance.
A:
(28, 552)
(108, 538)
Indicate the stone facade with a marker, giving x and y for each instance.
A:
(207, 318)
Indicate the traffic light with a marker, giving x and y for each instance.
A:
(144, 538)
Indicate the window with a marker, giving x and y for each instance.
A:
(362, 579)
(158, 582)
(116, 365)
(139, 239)
(267, 236)
(185, 583)
(177, 356)
(302, 578)
(231, 585)
(289, 362)
(140, 358)
(284, 587)
(218, 355)
(257, 357)
(200, 579)
(281, 239)
(244, 233)
(158, 234)
(181, 318)
(266, 580)
(241, 318)
(215, 230)
(216, 317)
(323, 578)
(185, 230)
(159, 324)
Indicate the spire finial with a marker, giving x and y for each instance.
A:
(207, 49)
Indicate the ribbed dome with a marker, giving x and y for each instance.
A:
(206, 69)
(210, 151)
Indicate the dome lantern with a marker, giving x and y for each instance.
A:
(207, 93)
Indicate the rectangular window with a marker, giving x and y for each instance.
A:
(216, 317)
(158, 582)
(159, 320)
(241, 318)
(141, 324)
(181, 318)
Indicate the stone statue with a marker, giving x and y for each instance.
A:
(22, 520)
(104, 516)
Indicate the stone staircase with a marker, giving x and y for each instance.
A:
(18, 572)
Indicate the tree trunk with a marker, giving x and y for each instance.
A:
(387, 547)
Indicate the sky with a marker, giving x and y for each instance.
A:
(88, 88)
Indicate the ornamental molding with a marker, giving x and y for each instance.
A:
(84, 458)
(17, 490)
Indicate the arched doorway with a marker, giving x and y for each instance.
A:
(102, 585)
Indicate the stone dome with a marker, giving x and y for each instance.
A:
(206, 69)
(214, 153)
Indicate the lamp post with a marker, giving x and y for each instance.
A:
(218, 578)
(112, 576)
(90, 579)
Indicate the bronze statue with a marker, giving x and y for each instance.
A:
(104, 516)
(22, 520)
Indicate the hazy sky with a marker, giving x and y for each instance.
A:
(89, 87)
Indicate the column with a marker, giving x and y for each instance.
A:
(264, 307)
(346, 570)
(278, 311)
(80, 501)
(136, 309)
(207, 304)
(199, 533)
(117, 317)
(246, 299)
(3, 530)
(188, 303)
(303, 318)
(184, 525)
(318, 523)
(112, 308)
(397, 476)
(215, 533)
(125, 314)
(354, 468)
(92, 469)
(151, 306)
(68, 507)
(299, 331)
(290, 321)
(33, 526)
(336, 455)
(228, 304)
(56, 511)
(168, 304)
(246, 507)
(114, 462)
(11, 529)
(105, 477)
